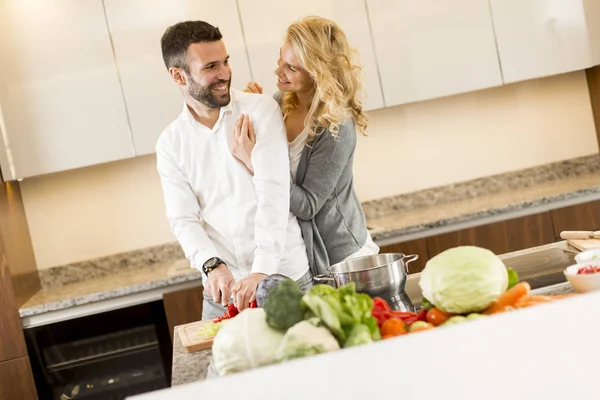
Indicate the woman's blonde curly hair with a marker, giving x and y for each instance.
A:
(326, 55)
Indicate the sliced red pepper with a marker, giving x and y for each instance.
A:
(232, 310)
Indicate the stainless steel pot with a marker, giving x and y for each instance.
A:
(376, 275)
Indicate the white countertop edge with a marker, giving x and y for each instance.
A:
(114, 303)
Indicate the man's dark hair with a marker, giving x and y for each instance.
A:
(177, 38)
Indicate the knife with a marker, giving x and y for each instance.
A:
(580, 235)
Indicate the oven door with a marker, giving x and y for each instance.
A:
(104, 356)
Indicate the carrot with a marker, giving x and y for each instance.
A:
(509, 298)
(504, 309)
(528, 301)
(393, 327)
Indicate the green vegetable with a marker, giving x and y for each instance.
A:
(426, 304)
(360, 334)
(475, 316)
(245, 342)
(209, 330)
(457, 319)
(464, 279)
(306, 338)
(282, 306)
(341, 311)
(513, 277)
(415, 326)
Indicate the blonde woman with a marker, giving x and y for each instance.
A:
(319, 85)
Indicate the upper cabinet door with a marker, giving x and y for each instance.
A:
(266, 21)
(433, 48)
(136, 26)
(538, 38)
(60, 97)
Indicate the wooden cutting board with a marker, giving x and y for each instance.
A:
(191, 339)
(584, 244)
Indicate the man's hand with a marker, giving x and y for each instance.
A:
(219, 284)
(244, 290)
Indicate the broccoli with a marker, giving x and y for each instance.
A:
(283, 307)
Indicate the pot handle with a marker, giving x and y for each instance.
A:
(324, 279)
(408, 259)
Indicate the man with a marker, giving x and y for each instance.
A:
(234, 226)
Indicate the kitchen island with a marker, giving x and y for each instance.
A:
(192, 367)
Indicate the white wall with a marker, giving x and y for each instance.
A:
(107, 209)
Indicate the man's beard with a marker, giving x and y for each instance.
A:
(206, 95)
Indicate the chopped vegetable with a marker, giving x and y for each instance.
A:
(509, 298)
(464, 279)
(381, 310)
(588, 270)
(283, 307)
(393, 327)
(209, 330)
(306, 338)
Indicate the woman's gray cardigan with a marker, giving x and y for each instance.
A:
(323, 199)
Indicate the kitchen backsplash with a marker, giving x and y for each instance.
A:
(114, 208)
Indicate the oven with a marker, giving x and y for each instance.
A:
(107, 356)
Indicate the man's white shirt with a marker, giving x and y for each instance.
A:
(216, 207)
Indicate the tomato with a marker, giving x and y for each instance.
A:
(588, 269)
(253, 304)
(393, 327)
(436, 317)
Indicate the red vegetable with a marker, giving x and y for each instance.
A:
(381, 311)
(232, 311)
(588, 269)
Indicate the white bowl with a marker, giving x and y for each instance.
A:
(586, 282)
(588, 255)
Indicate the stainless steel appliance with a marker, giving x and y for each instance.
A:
(380, 275)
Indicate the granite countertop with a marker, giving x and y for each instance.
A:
(116, 284)
(483, 198)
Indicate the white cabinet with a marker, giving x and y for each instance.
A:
(60, 100)
(538, 38)
(433, 48)
(265, 23)
(136, 26)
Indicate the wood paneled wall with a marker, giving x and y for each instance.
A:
(18, 248)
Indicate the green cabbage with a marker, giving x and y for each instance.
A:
(464, 279)
(245, 342)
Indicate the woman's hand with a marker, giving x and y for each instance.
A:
(244, 140)
(253, 87)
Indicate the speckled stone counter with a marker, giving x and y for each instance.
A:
(117, 284)
(475, 200)
(188, 367)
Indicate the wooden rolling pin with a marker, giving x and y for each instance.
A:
(580, 235)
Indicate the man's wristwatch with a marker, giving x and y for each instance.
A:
(211, 264)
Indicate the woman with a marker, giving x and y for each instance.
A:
(320, 85)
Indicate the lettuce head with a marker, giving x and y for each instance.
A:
(464, 279)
